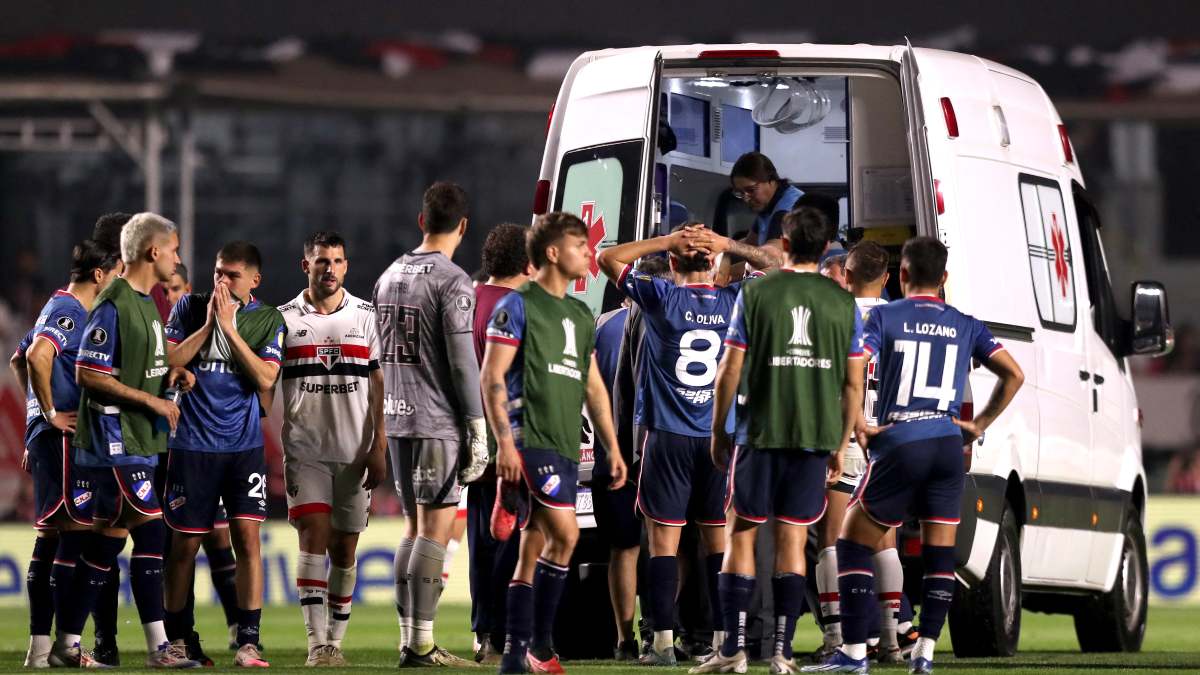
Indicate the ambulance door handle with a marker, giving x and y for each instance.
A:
(1085, 375)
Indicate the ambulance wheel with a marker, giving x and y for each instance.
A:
(986, 620)
(1116, 621)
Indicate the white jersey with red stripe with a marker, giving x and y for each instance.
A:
(328, 359)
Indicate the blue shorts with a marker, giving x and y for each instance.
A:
(551, 481)
(678, 481)
(113, 486)
(921, 478)
(786, 483)
(198, 483)
(57, 484)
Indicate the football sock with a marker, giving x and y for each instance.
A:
(856, 580)
(788, 591)
(312, 589)
(424, 590)
(890, 577)
(451, 549)
(248, 621)
(663, 577)
(736, 590)
(104, 613)
(179, 625)
(146, 579)
(519, 625)
(712, 569)
(549, 580)
(905, 615)
(400, 575)
(827, 595)
(341, 594)
(938, 588)
(38, 584)
(222, 568)
(93, 572)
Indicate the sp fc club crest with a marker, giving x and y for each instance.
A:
(329, 355)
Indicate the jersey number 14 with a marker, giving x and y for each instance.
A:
(914, 374)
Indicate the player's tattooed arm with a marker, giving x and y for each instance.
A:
(112, 388)
(600, 410)
(759, 257)
(729, 373)
(497, 359)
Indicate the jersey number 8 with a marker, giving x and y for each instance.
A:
(706, 357)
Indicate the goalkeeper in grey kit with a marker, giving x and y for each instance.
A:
(425, 307)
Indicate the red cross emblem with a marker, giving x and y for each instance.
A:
(1059, 242)
(596, 232)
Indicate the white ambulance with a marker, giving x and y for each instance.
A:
(903, 142)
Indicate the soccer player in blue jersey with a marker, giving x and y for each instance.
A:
(123, 423)
(45, 363)
(232, 343)
(924, 349)
(682, 343)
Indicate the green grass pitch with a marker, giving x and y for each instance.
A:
(1047, 643)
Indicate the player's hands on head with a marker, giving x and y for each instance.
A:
(508, 462)
(719, 450)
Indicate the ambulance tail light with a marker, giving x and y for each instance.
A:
(937, 193)
(951, 118)
(1068, 154)
(739, 54)
(541, 197)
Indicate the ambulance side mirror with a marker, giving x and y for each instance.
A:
(1150, 329)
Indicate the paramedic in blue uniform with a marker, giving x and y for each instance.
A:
(756, 182)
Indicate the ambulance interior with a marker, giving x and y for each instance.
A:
(838, 137)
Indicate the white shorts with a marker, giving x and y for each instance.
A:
(853, 469)
(327, 487)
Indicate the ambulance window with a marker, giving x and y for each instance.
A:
(1105, 318)
(600, 185)
(1050, 252)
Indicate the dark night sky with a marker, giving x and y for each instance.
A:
(998, 22)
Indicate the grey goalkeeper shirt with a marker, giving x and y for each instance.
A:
(424, 306)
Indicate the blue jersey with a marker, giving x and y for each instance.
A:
(610, 328)
(507, 327)
(768, 224)
(222, 412)
(924, 349)
(60, 324)
(99, 351)
(684, 326)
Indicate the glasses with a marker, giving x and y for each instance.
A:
(747, 192)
